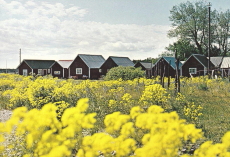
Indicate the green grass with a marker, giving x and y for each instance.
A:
(215, 121)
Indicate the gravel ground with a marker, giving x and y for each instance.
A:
(5, 115)
(10, 139)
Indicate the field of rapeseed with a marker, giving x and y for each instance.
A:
(54, 117)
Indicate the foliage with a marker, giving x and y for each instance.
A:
(222, 31)
(124, 73)
(190, 23)
(183, 48)
(148, 60)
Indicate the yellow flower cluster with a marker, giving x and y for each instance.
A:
(161, 134)
(128, 122)
(192, 111)
(154, 94)
(214, 150)
(164, 133)
(44, 134)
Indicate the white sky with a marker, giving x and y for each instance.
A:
(61, 29)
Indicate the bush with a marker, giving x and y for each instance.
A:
(124, 73)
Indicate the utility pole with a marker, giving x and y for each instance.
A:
(151, 72)
(6, 66)
(168, 74)
(177, 77)
(209, 37)
(19, 56)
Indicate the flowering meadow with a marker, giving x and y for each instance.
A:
(89, 118)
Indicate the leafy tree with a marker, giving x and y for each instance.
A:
(222, 32)
(183, 48)
(190, 23)
(148, 60)
(167, 54)
(124, 73)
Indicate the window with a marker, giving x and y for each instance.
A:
(78, 70)
(100, 70)
(48, 71)
(57, 72)
(192, 70)
(39, 71)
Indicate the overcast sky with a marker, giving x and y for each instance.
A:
(62, 29)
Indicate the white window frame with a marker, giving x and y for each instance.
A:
(78, 70)
(25, 72)
(40, 71)
(57, 72)
(192, 70)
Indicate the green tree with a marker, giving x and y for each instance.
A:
(183, 48)
(222, 32)
(124, 73)
(190, 24)
(147, 60)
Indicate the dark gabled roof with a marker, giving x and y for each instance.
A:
(38, 64)
(92, 61)
(146, 65)
(202, 59)
(122, 61)
(172, 62)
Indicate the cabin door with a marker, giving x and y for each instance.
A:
(25, 72)
(44, 72)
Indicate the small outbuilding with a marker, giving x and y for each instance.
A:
(113, 61)
(196, 65)
(60, 68)
(222, 66)
(9, 71)
(146, 66)
(86, 66)
(35, 67)
(166, 66)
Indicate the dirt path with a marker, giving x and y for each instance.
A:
(5, 115)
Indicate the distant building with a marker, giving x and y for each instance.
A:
(166, 66)
(196, 65)
(10, 71)
(37, 67)
(86, 66)
(224, 68)
(113, 61)
(60, 68)
(147, 67)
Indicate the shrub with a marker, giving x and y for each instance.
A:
(124, 73)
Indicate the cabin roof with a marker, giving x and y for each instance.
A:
(122, 61)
